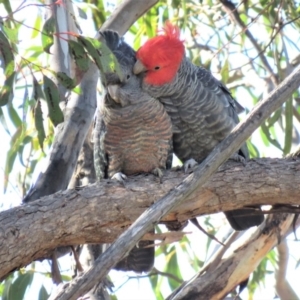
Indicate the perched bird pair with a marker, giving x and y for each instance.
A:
(134, 132)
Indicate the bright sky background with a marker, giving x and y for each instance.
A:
(141, 289)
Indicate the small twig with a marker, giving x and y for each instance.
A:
(217, 257)
(196, 223)
(282, 286)
(231, 9)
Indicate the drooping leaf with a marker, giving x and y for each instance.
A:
(14, 116)
(81, 59)
(38, 122)
(7, 55)
(37, 92)
(225, 71)
(20, 285)
(100, 14)
(7, 91)
(12, 33)
(36, 26)
(43, 295)
(3, 121)
(47, 34)
(172, 268)
(102, 56)
(267, 138)
(52, 96)
(7, 5)
(82, 13)
(7, 287)
(65, 80)
(274, 117)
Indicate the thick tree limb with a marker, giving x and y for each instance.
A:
(220, 154)
(126, 14)
(238, 264)
(100, 212)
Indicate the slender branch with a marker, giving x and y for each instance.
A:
(231, 9)
(282, 286)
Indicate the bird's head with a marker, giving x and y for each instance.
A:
(161, 56)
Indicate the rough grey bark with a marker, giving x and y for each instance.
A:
(101, 212)
(126, 14)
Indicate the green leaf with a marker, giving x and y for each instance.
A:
(7, 6)
(43, 295)
(47, 34)
(7, 287)
(102, 56)
(12, 33)
(225, 71)
(52, 96)
(66, 278)
(38, 122)
(3, 121)
(36, 26)
(274, 117)
(80, 56)
(269, 137)
(20, 285)
(82, 13)
(14, 117)
(37, 93)
(11, 155)
(7, 91)
(7, 55)
(172, 268)
(65, 80)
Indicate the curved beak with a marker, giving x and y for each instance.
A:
(138, 68)
(113, 90)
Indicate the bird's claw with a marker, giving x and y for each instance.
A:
(120, 177)
(159, 173)
(189, 165)
(238, 158)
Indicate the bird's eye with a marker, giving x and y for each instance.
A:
(157, 68)
(128, 76)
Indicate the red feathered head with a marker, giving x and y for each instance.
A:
(161, 56)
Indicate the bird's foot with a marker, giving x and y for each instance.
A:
(120, 177)
(238, 158)
(189, 165)
(159, 173)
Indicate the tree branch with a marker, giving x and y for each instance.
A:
(126, 14)
(240, 261)
(99, 213)
(283, 288)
